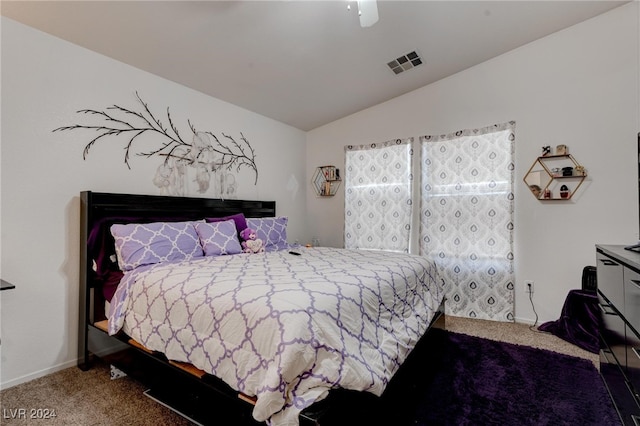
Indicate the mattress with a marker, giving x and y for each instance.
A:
(284, 328)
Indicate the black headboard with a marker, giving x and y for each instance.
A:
(98, 211)
(97, 205)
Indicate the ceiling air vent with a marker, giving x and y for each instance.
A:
(405, 62)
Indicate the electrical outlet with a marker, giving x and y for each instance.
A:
(528, 286)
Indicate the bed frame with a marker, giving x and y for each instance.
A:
(181, 387)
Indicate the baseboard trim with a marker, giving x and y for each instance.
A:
(37, 374)
(526, 321)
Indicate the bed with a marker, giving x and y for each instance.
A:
(273, 333)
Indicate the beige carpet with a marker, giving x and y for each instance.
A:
(520, 334)
(91, 398)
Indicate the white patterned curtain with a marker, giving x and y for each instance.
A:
(378, 190)
(466, 220)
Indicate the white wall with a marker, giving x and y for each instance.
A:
(578, 87)
(44, 82)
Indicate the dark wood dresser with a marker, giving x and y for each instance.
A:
(618, 272)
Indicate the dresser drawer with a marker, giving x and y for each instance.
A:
(632, 370)
(632, 315)
(632, 298)
(613, 338)
(610, 277)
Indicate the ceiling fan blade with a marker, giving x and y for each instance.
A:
(368, 10)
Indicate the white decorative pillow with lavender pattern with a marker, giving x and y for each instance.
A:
(140, 244)
(219, 238)
(271, 230)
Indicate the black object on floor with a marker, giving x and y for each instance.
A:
(590, 279)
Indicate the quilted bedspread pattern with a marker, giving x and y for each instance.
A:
(281, 327)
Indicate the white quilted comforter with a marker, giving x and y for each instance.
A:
(281, 327)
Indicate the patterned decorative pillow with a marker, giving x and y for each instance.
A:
(271, 230)
(140, 244)
(219, 238)
(238, 218)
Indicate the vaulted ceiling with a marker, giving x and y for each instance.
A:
(304, 63)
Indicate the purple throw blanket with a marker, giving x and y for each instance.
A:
(579, 322)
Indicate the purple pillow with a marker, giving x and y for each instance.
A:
(271, 230)
(219, 238)
(140, 244)
(238, 219)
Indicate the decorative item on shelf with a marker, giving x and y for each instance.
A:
(567, 171)
(326, 180)
(556, 171)
(579, 170)
(546, 150)
(537, 191)
(561, 150)
(547, 194)
(564, 191)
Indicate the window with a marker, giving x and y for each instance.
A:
(465, 211)
(466, 218)
(378, 189)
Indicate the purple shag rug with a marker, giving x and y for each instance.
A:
(484, 382)
(474, 381)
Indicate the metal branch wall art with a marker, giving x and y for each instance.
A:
(212, 158)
